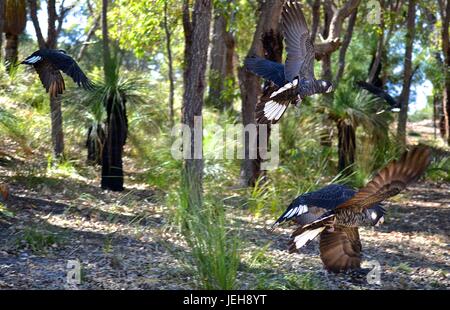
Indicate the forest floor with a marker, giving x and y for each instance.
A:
(123, 240)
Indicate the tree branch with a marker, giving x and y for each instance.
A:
(345, 45)
(88, 37)
(338, 18)
(62, 14)
(33, 14)
(315, 8)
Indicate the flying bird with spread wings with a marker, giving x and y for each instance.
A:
(335, 212)
(295, 79)
(49, 63)
(394, 105)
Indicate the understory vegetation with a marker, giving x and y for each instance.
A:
(221, 241)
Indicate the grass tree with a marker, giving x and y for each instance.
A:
(13, 25)
(348, 111)
(107, 112)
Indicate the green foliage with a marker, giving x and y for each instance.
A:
(404, 267)
(423, 114)
(439, 170)
(4, 212)
(215, 250)
(290, 281)
(37, 240)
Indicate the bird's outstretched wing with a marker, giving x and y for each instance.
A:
(68, 65)
(50, 77)
(340, 249)
(269, 70)
(299, 47)
(391, 180)
(269, 111)
(376, 91)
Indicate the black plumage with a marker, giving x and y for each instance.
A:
(48, 63)
(335, 212)
(295, 78)
(394, 105)
(308, 207)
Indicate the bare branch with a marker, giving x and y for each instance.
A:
(345, 45)
(88, 37)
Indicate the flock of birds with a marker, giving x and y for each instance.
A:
(334, 212)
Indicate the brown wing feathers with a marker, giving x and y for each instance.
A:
(340, 249)
(50, 77)
(340, 246)
(392, 179)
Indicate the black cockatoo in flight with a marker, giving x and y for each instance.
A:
(48, 63)
(295, 78)
(335, 212)
(394, 105)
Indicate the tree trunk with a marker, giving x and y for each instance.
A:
(268, 22)
(445, 14)
(375, 67)
(222, 63)
(2, 22)
(345, 44)
(407, 74)
(170, 65)
(51, 42)
(326, 135)
(11, 52)
(57, 127)
(94, 143)
(52, 35)
(196, 30)
(346, 147)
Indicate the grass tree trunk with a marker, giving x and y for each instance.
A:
(94, 143)
(196, 30)
(407, 74)
(112, 152)
(346, 146)
(250, 86)
(11, 49)
(116, 120)
(13, 24)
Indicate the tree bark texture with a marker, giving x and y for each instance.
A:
(268, 22)
(407, 74)
(196, 29)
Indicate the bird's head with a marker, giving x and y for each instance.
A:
(375, 215)
(325, 86)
